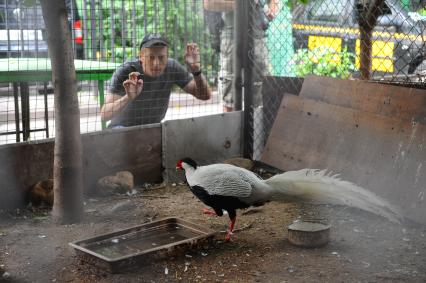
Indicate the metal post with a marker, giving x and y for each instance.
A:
(16, 99)
(101, 28)
(85, 28)
(248, 85)
(134, 34)
(166, 16)
(112, 24)
(46, 110)
(93, 44)
(101, 99)
(123, 29)
(93, 35)
(185, 23)
(72, 8)
(240, 35)
(243, 71)
(145, 18)
(25, 107)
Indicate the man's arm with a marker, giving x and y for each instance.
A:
(219, 5)
(199, 88)
(113, 105)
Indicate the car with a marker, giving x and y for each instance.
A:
(22, 30)
(399, 46)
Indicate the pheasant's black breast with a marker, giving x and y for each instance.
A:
(227, 203)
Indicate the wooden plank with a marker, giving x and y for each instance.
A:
(402, 103)
(383, 154)
(273, 90)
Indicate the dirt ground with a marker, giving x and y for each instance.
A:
(362, 247)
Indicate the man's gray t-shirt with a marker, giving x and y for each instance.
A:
(151, 104)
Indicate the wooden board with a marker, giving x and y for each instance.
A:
(384, 154)
(398, 102)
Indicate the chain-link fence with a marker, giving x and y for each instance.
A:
(328, 38)
(274, 44)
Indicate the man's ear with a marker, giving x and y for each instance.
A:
(142, 55)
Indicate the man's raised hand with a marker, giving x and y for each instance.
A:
(133, 85)
(192, 57)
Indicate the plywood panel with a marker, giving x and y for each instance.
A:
(384, 154)
(383, 99)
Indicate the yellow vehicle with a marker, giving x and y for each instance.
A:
(399, 37)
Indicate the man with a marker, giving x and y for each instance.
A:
(259, 54)
(140, 89)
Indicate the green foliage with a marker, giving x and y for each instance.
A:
(121, 25)
(324, 61)
(28, 3)
(125, 23)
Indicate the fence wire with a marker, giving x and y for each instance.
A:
(323, 38)
(289, 41)
(105, 34)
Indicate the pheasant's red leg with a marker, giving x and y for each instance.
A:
(231, 229)
(209, 212)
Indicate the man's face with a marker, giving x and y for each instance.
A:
(154, 60)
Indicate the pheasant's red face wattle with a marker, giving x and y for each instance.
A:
(179, 165)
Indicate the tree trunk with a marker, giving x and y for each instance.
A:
(365, 59)
(67, 170)
(368, 11)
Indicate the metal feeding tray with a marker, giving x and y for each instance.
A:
(134, 246)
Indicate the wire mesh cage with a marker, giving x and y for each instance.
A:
(277, 43)
(105, 34)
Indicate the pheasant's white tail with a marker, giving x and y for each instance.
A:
(322, 187)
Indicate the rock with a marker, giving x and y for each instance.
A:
(6, 275)
(41, 193)
(126, 178)
(122, 182)
(240, 162)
